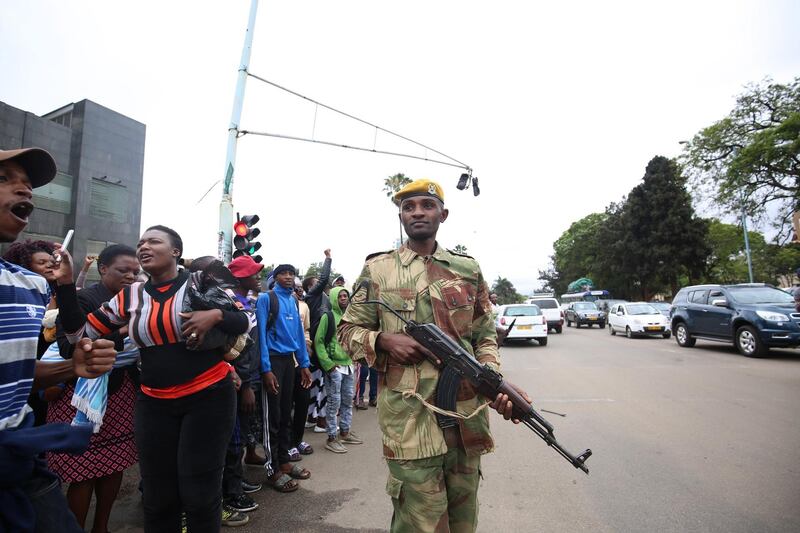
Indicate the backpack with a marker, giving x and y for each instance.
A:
(273, 309)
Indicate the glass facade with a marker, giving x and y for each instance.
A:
(108, 201)
(56, 195)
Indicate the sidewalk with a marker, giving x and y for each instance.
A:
(346, 493)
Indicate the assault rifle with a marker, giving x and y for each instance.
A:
(456, 364)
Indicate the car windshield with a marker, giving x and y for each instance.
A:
(585, 306)
(522, 310)
(661, 306)
(760, 295)
(642, 309)
(546, 304)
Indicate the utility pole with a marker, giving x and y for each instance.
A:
(225, 236)
(746, 241)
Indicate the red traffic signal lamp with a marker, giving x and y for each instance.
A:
(244, 241)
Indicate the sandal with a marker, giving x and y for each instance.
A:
(294, 455)
(284, 483)
(305, 448)
(298, 472)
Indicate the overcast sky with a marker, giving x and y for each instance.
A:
(557, 106)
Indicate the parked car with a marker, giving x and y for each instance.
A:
(551, 310)
(580, 313)
(529, 322)
(637, 319)
(662, 307)
(754, 317)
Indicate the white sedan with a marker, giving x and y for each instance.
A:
(637, 318)
(529, 322)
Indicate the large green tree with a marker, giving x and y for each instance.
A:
(751, 158)
(576, 251)
(505, 291)
(663, 239)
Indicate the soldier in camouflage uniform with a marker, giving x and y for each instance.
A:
(433, 473)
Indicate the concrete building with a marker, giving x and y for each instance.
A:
(98, 190)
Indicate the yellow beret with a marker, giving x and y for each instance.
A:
(421, 187)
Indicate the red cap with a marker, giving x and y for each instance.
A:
(244, 266)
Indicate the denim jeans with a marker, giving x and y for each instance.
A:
(340, 389)
(367, 371)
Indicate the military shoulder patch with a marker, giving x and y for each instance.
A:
(460, 255)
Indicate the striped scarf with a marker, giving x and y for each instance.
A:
(91, 394)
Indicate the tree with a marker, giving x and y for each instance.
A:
(727, 262)
(460, 249)
(315, 268)
(505, 291)
(661, 237)
(782, 262)
(391, 185)
(751, 158)
(551, 278)
(576, 252)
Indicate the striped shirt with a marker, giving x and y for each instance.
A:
(23, 300)
(152, 314)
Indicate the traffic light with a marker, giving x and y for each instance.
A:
(244, 241)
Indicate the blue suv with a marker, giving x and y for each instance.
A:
(754, 317)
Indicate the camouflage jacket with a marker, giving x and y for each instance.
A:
(449, 290)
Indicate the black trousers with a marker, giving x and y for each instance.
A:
(233, 472)
(279, 408)
(302, 399)
(182, 445)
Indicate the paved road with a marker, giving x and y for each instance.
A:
(697, 439)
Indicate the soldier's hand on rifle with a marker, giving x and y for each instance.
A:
(403, 349)
(505, 407)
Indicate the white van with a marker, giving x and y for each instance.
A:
(551, 310)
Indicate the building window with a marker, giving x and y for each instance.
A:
(108, 201)
(64, 120)
(56, 195)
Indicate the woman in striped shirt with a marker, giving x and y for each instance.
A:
(185, 410)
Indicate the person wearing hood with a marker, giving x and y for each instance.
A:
(339, 374)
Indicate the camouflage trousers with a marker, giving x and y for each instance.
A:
(435, 495)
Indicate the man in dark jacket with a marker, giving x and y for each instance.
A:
(315, 298)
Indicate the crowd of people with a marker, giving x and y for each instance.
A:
(193, 369)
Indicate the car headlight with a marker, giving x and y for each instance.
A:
(773, 316)
(581, 315)
(637, 321)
